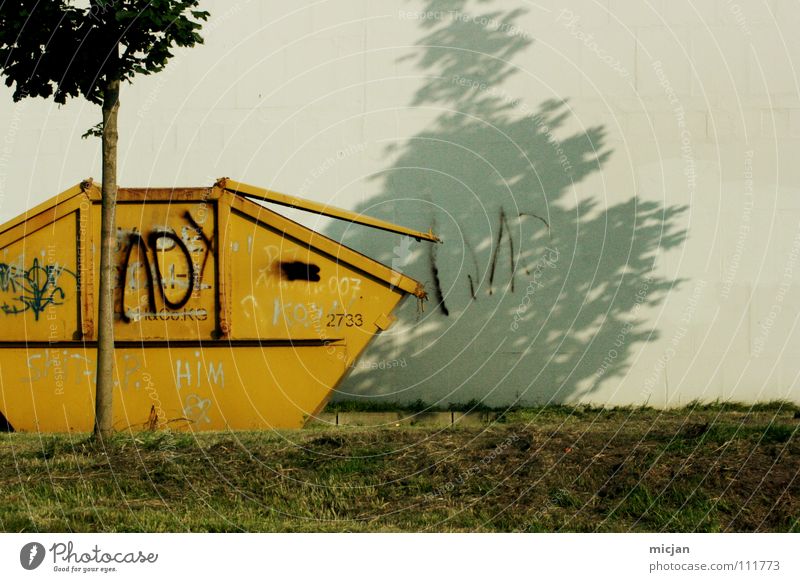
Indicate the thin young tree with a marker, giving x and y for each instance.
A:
(63, 49)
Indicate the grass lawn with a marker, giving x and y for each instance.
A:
(701, 468)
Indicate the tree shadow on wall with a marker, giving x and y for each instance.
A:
(536, 296)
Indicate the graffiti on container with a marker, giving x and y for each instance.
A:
(300, 271)
(177, 280)
(285, 266)
(199, 314)
(157, 417)
(251, 299)
(35, 289)
(188, 374)
(129, 371)
(288, 313)
(63, 367)
(60, 367)
(195, 408)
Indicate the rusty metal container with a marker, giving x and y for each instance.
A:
(229, 316)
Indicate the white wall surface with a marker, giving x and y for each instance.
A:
(658, 140)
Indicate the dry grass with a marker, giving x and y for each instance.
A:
(554, 469)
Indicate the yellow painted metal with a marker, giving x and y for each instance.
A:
(51, 389)
(229, 315)
(323, 209)
(39, 273)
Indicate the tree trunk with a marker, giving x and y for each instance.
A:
(105, 315)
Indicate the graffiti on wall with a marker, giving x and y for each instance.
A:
(492, 272)
(33, 289)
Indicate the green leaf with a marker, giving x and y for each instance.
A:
(94, 131)
(54, 49)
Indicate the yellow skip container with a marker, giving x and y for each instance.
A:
(228, 314)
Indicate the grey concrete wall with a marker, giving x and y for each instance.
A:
(616, 182)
